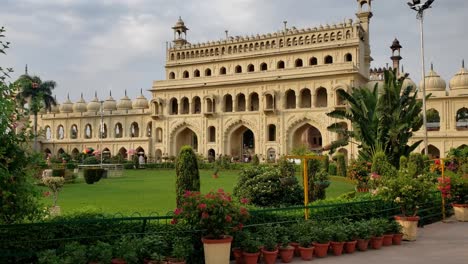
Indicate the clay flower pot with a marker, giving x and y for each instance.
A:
(337, 248)
(410, 226)
(362, 244)
(387, 240)
(287, 254)
(250, 258)
(397, 239)
(350, 246)
(306, 253)
(118, 261)
(376, 242)
(321, 250)
(269, 257)
(237, 252)
(296, 248)
(461, 212)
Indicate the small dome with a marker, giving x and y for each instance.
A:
(460, 80)
(67, 106)
(42, 111)
(55, 109)
(408, 82)
(140, 102)
(434, 82)
(94, 105)
(179, 23)
(110, 104)
(125, 103)
(80, 106)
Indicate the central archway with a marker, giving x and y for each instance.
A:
(186, 137)
(308, 136)
(242, 143)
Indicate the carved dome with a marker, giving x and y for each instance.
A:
(125, 103)
(67, 106)
(460, 80)
(80, 106)
(94, 105)
(140, 102)
(434, 82)
(110, 104)
(55, 109)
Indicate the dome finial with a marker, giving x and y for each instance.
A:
(141, 91)
(26, 70)
(463, 63)
(125, 92)
(432, 66)
(68, 96)
(81, 95)
(402, 69)
(110, 92)
(95, 94)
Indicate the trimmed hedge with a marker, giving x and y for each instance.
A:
(93, 175)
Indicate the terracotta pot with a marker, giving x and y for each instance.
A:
(461, 212)
(387, 240)
(118, 261)
(410, 226)
(362, 244)
(321, 250)
(306, 253)
(397, 239)
(376, 242)
(337, 248)
(269, 257)
(296, 248)
(217, 251)
(175, 261)
(237, 252)
(250, 258)
(350, 246)
(287, 254)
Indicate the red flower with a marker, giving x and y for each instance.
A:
(177, 211)
(228, 218)
(243, 211)
(173, 221)
(205, 215)
(202, 206)
(244, 201)
(220, 191)
(46, 194)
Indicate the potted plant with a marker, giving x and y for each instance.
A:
(459, 196)
(286, 251)
(409, 192)
(152, 249)
(388, 233)
(238, 238)
(270, 245)
(396, 230)
(338, 238)
(305, 245)
(322, 241)
(364, 232)
(352, 235)
(55, 184)
(181, 249)
(99, 253)
(124, 251)
(48, 256)
(250, 249)
(74, 252)
(377, 231)
(218, 216)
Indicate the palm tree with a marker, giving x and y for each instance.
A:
(382, 120)
(36, 94)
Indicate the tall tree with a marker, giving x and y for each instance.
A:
(36, 94)
(381, 120)
(188, 176)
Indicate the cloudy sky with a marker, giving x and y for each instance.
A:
(89, 45)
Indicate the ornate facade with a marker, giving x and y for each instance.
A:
(239, 96)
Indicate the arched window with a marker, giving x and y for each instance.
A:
(322, 98)
(348, 34)
(222, 71)
(149, 129)
(172, 56)
(48, 133)
(339, 35)
(211, 134)
(280, 65)
(185, 106)
(74, 132)
(103, 131)
(433, 120)
(60, 132)
(328, 59)
(348, 57)
(298, 63)
(290, 99)
(118, 130)
(227, 103)
(134, 130)
(339, 99)
(240, 102)
(306, 98)
(174, 106)
(250, 68)
(159, 134)
(208, 72)
(88, 131)
(313, 61)
(270, 102)
(271, 132)
(185, 74)
(171, 75)
(196, 73)
(196, 105)
(238, 69)
(254, 102)
(263, 67)
(462, 118)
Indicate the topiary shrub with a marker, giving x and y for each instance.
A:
(382, 166)
(332, 170)
(93, 175)
(326, 163)
(91, 160)
(340, 164)
(415, 164)
(321, 182)
(188, 176)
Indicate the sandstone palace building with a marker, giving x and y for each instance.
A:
(242, 95)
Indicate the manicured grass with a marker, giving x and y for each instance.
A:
(147, 191)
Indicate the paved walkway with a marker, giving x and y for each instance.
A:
(439, 243)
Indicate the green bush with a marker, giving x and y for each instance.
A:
(415, 164)
(326, 163)
(58, 172)
(382, 166)
(91, 160)
(403, 162)
(255, 160)
(188, 176)
(93, 175)
(332, 170)
(340, 164)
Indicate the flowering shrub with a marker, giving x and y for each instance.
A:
(359, 170)
(215, 213)
(459, 189)
(444, 186)
(54, 184)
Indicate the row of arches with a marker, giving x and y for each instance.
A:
(263, 45)
(123, 152)
(433, 119)
(298, 63)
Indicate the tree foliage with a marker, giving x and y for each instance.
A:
(188, 176)
(384, 120)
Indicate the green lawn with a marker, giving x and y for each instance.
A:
(147, 191)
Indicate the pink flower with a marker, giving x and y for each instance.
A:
(202, 206)
(220, 191)
(187, 193)
(173, 221)
(205, 215)
(228, 218)
(244, 201)
(178, 211)
(243, 211)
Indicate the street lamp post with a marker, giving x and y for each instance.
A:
(101, 132)
(419, 7)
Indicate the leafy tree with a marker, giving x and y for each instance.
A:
(18, 194)
(188, 176)
(380, 122)
(36, 94)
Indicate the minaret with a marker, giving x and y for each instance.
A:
(180, 33)
(364, 15)
(396, 58)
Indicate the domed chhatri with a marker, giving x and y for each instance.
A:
(459, 82)
(80, 106)
(434, 82)
(408, 81)
(140, 102)
(94, 105)
(67, 106)
(110, 104)
(55, 109)
(125, 103)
